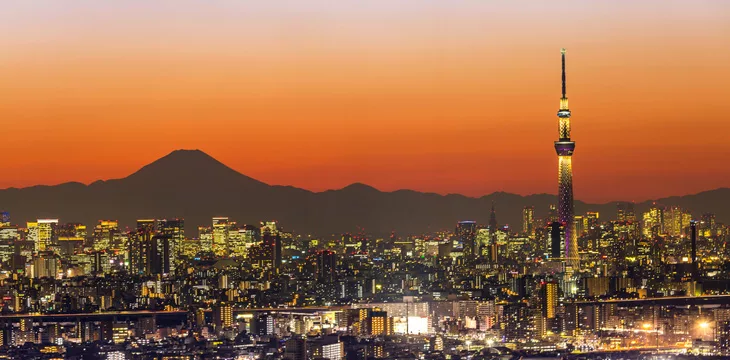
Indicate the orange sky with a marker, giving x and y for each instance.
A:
(449, 97)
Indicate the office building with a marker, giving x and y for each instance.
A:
(466, 234)
(528, 221)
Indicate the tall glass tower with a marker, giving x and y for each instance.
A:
(565, 147)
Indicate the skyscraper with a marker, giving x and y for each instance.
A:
(625, 212)
(466, 233)
(549, 299)
(45, 264)
(653, 221)
(42, 233)
(174, 230)
(591, 221)
(528, 220)
(565, 147)
(150, 249)
(493, 220)
(220, 235)
(267, 253)
(223, 316)
(326, 266)
(107, 236)
(552, 214)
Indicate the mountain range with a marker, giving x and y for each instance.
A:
(192, 185)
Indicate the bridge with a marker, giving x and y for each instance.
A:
(304, 310)
(97, 316)
(171, 315)
(663, 301)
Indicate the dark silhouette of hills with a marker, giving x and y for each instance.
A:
(192, 185)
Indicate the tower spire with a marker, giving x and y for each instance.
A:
(562, 53)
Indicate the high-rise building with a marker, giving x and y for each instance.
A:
(42, 233)
(591, 221)
(139, 247)
(72, 230)
(484, 242)
(625, 212)
(221, 226)
(236, 241)
(265, 324)
(326, 266)
(266, 254)
(223, 316)
(580, 225)
(528, 220)
(493, 219)
(45, 264)
(466, 234)
(174, 231)
(250, 235)
(71, 239)
(549, 299)
(161, 259)
(552, 214)
(7, 250)
(150, 250)
(379, 324)
(653, 222)
(271, 238)
(708, 225)
(630, 214)
(620, 212)
(672, 222)
(205, 238)
(565, 148)
(9, 233)
(107, 236)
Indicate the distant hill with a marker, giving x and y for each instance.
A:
(192, 185)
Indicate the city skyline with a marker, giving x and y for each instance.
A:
(357, 108)
(364, 181)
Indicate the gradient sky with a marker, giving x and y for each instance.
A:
(442, 96)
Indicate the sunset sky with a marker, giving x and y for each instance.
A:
(441, 96)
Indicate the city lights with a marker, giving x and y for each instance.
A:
(564, 279)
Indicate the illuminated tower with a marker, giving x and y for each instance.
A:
(564, 147)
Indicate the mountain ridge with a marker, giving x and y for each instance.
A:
(193, 185)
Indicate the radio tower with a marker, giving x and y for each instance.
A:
(564, 147)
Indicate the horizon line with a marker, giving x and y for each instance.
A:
(496, 192)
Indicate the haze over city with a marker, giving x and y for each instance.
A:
(430, 96)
